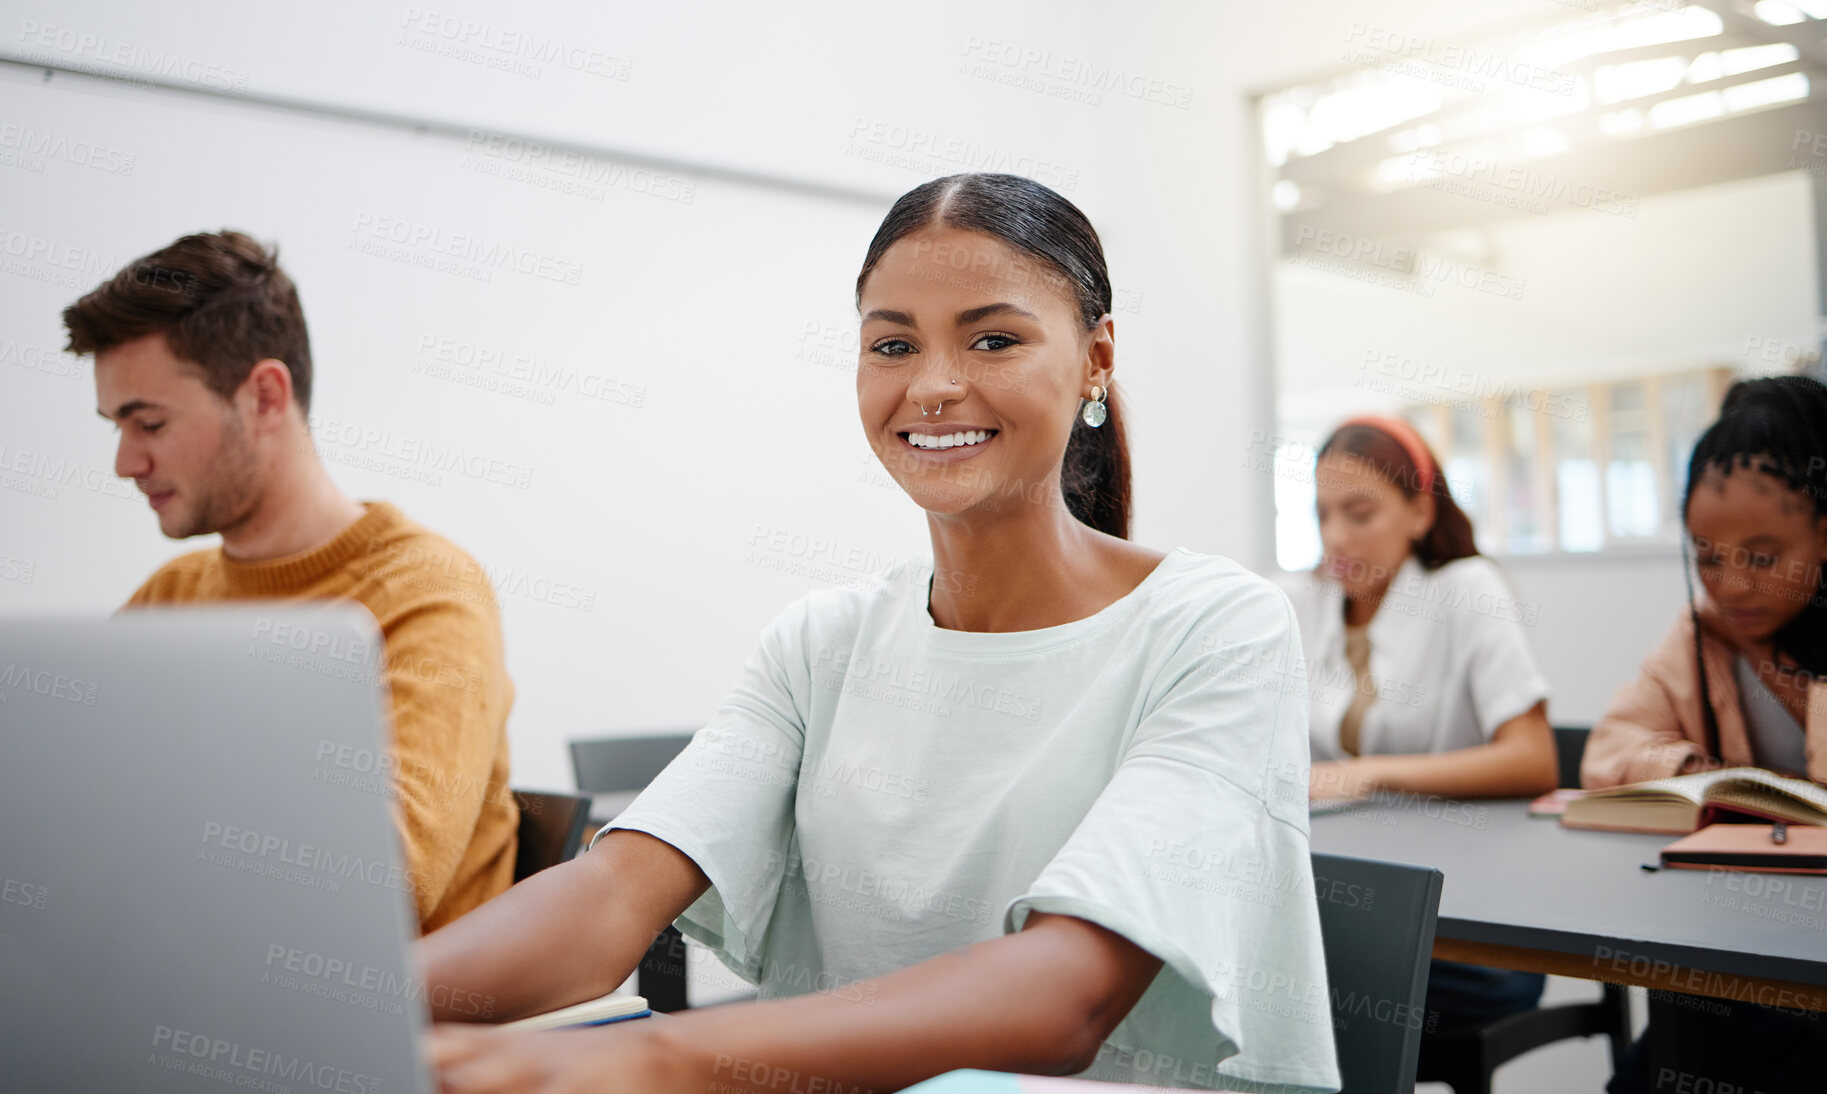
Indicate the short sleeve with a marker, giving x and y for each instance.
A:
(727, 800)
(1501, 670)
(1197, 851)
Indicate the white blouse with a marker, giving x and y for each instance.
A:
(878, 790)
(1449, 658)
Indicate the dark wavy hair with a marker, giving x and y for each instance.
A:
(219, 298)
(1776, 425)
(1450, 536)
(1032, 219)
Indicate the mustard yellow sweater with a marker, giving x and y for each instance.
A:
(450, 689)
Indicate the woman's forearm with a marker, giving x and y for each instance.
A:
(1519, 760)
(1482, 771)
(562, 936)
(1039, 1001)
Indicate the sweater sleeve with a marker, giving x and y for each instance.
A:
(1640, 736)
(450, 691)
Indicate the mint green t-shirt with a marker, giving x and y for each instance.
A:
(877, 791)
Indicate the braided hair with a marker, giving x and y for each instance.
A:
(1776, 425)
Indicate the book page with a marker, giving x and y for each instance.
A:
(1698, 787)
(1800, 789)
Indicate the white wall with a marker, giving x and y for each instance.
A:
(716, 310)
(704, 306)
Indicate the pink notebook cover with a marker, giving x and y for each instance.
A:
(1749, 847)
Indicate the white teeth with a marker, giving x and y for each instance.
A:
(948, 440)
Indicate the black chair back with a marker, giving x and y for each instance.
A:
(1377, 920)
(551, 830)
(1569, 747)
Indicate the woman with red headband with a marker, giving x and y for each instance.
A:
(1419, 673)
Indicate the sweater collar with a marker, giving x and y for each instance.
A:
(286, 575)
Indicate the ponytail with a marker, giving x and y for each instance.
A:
(1095, 475)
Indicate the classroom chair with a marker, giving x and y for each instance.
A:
(617, 765)
(1377, 926)
(1466, 1057)
(1569, 748)
(551, 830)
(614, 765)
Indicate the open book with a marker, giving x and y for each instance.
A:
(593, 1012)
(1685, 803)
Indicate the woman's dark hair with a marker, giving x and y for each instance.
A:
(1776, 425)
(1450, 536)
(1035, 221)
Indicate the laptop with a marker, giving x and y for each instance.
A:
(200, 879)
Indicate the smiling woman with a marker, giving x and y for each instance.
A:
(1101, 861)
(970, 236)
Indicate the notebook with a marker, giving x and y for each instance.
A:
(1685, 803)
(593, 1012)
(1750, 847)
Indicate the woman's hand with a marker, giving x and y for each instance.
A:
(631, 1055)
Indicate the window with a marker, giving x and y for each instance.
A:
(1577, 469)
(1576, 506)
(1632, 493)
(1466, 237)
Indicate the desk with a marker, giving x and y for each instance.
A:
(1524, 893)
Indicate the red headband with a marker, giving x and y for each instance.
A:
(1403, 434)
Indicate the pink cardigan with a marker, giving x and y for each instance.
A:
(1655, 722)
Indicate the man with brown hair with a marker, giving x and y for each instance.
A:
(203, 362)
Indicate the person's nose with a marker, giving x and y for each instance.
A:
(937, 379)
(131, 460)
